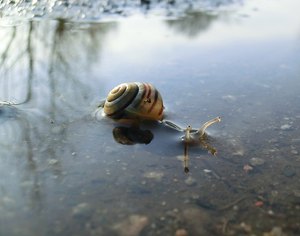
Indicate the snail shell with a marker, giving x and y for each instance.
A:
(134, 101)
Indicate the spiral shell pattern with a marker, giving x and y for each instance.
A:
(134, 101)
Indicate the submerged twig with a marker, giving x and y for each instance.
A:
(224, 226)
(232, 203)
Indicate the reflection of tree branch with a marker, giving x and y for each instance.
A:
(4, 55)
(30, 61)
(68, 59)
(17, 132)
(66, 65)
(31, 163)
(59, 31)
(12, 64)
(193, 23)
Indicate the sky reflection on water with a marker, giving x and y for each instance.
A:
(61, 171)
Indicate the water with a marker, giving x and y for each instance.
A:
(62, 172)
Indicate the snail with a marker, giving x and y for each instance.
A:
(135, 102)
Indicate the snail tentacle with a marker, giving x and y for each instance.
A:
(172, 125)
(187, 135)
(101, 103)
(187, 140)
(202, 129)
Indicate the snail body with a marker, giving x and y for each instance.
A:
(135, 100)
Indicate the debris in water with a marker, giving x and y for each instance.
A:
(132, 226)
(286, 127)
(296, 193)
(82, 210)
(245, 227)
(276, 231)
(190, 181)
(181, 232)
(256, 161)
(196, 219)
(288, 171)
(247, 168)
(259, 203)
(229, 98)
(156, 175)
(52, 161)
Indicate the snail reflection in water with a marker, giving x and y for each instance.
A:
(135, 102)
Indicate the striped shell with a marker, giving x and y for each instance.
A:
(134, 101)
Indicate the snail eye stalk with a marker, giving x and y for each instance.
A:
(202, 129)
(187, 136)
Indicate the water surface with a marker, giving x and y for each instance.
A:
(62, 172)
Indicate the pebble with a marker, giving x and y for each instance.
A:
(270, 212)
(247, 168)
(180, 158)
(196, 219)
(296, 193)
(256, 161)
(181, 232)
(229, 98)
(247, 228)
(238, 149)
(276, 231)
(52, 161)
(7, 201)
(156, 175)
(57, 129)
(238, 152)
(295, 152)
(82, 210)
(190, 181)
(288, 171)
(285, 127)
(132, 226)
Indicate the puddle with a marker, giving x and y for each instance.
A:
(62, 171)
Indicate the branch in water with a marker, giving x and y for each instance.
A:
(202, 129)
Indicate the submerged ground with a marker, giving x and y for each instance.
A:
(63, 173)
